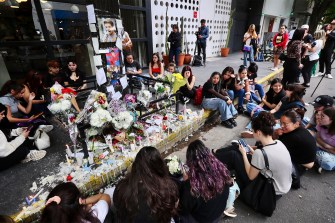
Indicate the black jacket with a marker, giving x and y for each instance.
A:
(175, 40)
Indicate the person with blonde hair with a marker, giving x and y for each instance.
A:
(249, 38)
(312, 55)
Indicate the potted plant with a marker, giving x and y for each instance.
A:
(225, 50)
(181, 55)
(167, 48)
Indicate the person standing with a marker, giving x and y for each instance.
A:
(202, 36)
(249, 37)
(279, 43)
(175, 43)
(326, 53)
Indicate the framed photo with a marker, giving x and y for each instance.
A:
(107, 30)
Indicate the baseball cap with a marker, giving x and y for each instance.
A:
(305, 26)
(323, 100)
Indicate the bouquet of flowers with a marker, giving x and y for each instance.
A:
(100, 117)
(100, 100)
(122, 120)
(144, 96)
(116, 106)
(61, 102)
(174, 165)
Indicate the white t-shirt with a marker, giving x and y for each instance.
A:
(100, 210)
(279, 163)
(247, 42)
(318, 47)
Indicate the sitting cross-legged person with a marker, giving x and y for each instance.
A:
(215, 98)
(187, 91)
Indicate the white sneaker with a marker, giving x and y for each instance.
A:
(329, 76)
(230, 212)
(45, 128)
(274, 68)
(319, 170)
(318, 74)
(34, 155)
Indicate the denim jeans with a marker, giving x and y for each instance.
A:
(251, 56)
(233, 190)
(237, 93)
(226, 111)
(260, 90)
(325, 160)
(175, 53)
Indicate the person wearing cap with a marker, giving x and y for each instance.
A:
(326, 53)
(320, 103)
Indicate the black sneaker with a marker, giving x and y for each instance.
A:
(233, 122)
(241, 110)
(227, 124)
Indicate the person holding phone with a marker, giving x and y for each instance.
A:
(15, 149)
(236, 157)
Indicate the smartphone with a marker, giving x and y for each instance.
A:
(244, 145)
(30, 127)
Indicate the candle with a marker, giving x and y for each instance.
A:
(68, 151)
(67, 160)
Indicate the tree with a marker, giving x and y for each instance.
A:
(320, 7)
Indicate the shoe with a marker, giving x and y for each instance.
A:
(227, 124)
(317, 74)
(233, 122)
(45, 128)
(329, 76)
(306, 84)
(230, 212)
(320, 170)
(274, 68)
(247, 134)
(34, 155)
(241, 110)
(234, 142)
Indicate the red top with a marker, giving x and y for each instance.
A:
(280, 40)
(156, 70)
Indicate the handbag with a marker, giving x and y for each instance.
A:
(247, 48)
(260, 193)
(42, 140)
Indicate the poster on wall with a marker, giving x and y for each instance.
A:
(107, 30)
(113, 61)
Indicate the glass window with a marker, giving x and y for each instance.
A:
(134, 23)
(140, 3)
(19, 60)
(19, 22)
(65, 21)
(140, 53)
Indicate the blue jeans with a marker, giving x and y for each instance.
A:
(226, 111)
(251, 56)
(175, 53)
(259, 88)
(233, 190)
(239, 94)
(325, 160)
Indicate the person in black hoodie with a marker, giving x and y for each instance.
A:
(175, 40)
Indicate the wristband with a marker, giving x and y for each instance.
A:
(247, 93)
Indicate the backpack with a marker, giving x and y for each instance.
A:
(197, 61)
(198, 96)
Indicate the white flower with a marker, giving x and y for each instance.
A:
(66, 105)
(91, 132)
(144, 97)
(173, 164)
(100, 117)
(57, 88)
(123, 120)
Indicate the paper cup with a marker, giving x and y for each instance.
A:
(79, 158)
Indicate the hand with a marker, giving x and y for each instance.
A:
(251, 150)
(301, 66)
(263, 100)
(278, 132)
(25, 133)
(247, 97)
(31, 96)
(199, 36)
(242, 150)
(229, 102)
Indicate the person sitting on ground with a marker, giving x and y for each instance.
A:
(54, 76)
(320, 103)
(188, 90)
(241, 89)
(236, 157)
(215, 98)
(73, 76)
(19, 149)
(206, 185)
(147, 193)
(133, 68)
(298, 141)
(65, 204)
(228, 81)
(325, 138)
(156, 69)
(253, 86)
(294, 94)
(275, 93)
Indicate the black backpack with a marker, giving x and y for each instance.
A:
(197, 61)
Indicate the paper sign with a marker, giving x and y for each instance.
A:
(93, 28)
(95, 42)
(91, 14)
(101, 76)
(119, 24)
(104, 51)
(111, 89)
(124, 82)
(117, 95)
(97, 60)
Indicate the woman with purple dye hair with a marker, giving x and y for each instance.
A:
(205, 190)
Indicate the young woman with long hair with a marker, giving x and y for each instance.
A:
(65, 204)
(188, 90)
(228, 81)
(215, 98)
(325, 138)
(147, 193)
(294, 94)
(249, 37)
(242, 88)
(73, 76)
(292, 65)
(205, 191)
(156, 68)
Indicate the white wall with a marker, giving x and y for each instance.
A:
(216, 13)
(279, 8)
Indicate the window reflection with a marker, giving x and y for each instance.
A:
(134, 23)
